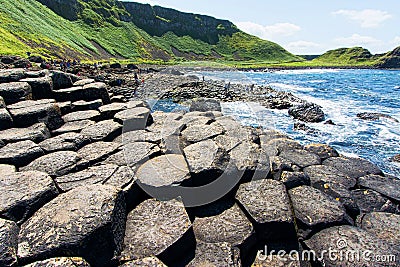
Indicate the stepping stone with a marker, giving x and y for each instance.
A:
(7, 169)
(353, 167)
(86, 105)
(61, 79)
(282, 144)
(205, 104)
(88, 92)
(301, 158)
(387, 186)
(82, 115)
(55, 164)
(21, 153)
(109, 111)
(42, 87)
(371, 201)
(134, 154)
(215, 254)
(245, 156)
(134, 118)
(74, 126)
(65, 107)
(267, 203)
(347, 240)
(146, 262)
(123, 178)
(36, 133)
(28, 112)
(157, 228)
(314, 210)
(68, 141)
(199, 133)
(294, 179)
(6, 121)
(323, 151)
(328, 174)
(15, 91)
(60, 262)
(103, 131)
(96, 152)
(269, 135)
(12, 75)
(22, 193)
(141, 136)
(8, 243)
(87, 221)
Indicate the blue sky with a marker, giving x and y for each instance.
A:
(307, 26)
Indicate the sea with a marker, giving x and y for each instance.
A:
(342, 94)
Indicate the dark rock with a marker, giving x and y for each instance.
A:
(74, 126)
(371, 116)
(353, 167)
(134, 118)
(307, 112)
(328, 174)
(87, 105)
(157, 228)
(42, 88)
(60, 262)
(96, 152)
(7, 169)
(199, 133)
(103, 131)
(88, 92)
(61, 79)
(22, 63)
(22, 193)
(12, 75)
(267, 203)
(396, 158)
(36, 59)
(281, 144)
(146, 262)
(36, 133)
(323, 151)
(299, 126)
(82, 115)
(15, 92)
(275, 260)
(28, 112)
(294, 179)
(347, 240)
(7, 60)
(315, 210)
(329, 122)
(115, 65)
(134, 154)
(8, 243)
(109, 111)
(6, 121)
(94, 231)
(215, 254)
(65, 107)
(20, 153)
(371, 201)
(205, 104)
(301, 158)
(55, 164)
(68, 141)
(387, 186)
(278, 165)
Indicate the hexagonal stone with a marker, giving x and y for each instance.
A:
(83, 82)
(74, 126)
(205, 104)
(227, 142)
(276, 261)
(323, 151)
(21, 153)
(109, 111)
(103, 131)
(55, 164)
(88, 221)
(82, 115)
(160, 228)
(68, 141)
(42, 87)
(22, 193)
(199, 133)
(60, 262)
(8, 243)
(215, 254)
(36, 133)
(282, 144)
(134, 118)
(134, 154)
(7, 169)
(349, 240)
(87, 92)
(278, 165)
(294, 179)
(369, 201)
(61, 79)
(96, 152)
(301, 158)
(353, 167)
(315, 210)
(12, 75)
(141, 136)
(245, 156)
(15, 91)
(328, 174)
(6, 121)
(146, 262)
(387, 186)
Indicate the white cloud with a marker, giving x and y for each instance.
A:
(396, 40)
(269, 31)
(368, 18)
(358, 40)
(302, 45)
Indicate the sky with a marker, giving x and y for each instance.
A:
(307, 27)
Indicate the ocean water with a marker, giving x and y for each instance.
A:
(342, 94)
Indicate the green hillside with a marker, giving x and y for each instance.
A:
(355, 56)
(104, 29)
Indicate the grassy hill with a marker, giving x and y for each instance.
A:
(355, 56)
(103, 29)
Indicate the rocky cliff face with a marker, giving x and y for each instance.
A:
(391, 59)
(65, 8)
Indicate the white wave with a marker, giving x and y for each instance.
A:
(308, 71)
(291, 87)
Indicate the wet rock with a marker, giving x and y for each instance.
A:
(315, 210)
(61, 79)
(22, 193)
(42, 88)
(323, 151)
(146, 262)
(199, 133)
(6, 121)
(396, 158)
(74, 126)
(294, 179)
(109, 111)
(134, 118)
(370, 201)
(12, 75)
(68, 141)
(103, 131)
(134, 154)
(82, 115)
(29, 112)
(157, 228)
(299, 126)
(55, 164)
(353, 167)
(215, 254)
(204, 104)
(328, 174)
(387, 186)
(96, 152)
(15, 92)
(20, 154)
(7, 169)
(8, 243)
(36, 133)
(86, 105)
(301, 158)
(307, 112)
(69, 225)
(267, 202)
(349, 239)
(372, 116)
(60, 262)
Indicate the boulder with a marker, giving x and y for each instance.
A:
(301, 158)
(60, 262)
(323, 151)
(55, 164)
(20, 153)
(294, 179)
(74, 126)
(36, 133)
(387, 186)
(42, 87)
(15, 92)
(88, 92)
(68, 141)
(373, 116)
(82, 115)
(146, 262)
(12, 75)
(6, 121)
(134, 118)
(29, 112)
(96, 152)
(87, 105)
(61, 79)
(353, 167)
(275, 146)
(278, 165)
(371, 201)
(158, 228)
(204, 104)
(22, 193)
(199, 133)
(307, 112)
(215, 254)
(88, 221)
(103, 131)
(109, 111)
(8, 243)
(267, 203)
(328, 174)
(115, 65)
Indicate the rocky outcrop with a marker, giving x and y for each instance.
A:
(307, 112)
(204, 105)
(15, 92)
(8, 243)
(372, 116)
